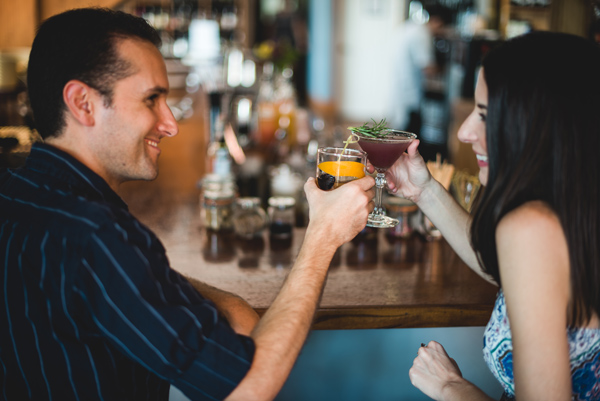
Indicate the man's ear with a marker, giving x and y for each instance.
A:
(80, 100)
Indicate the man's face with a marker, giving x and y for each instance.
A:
(130, 130)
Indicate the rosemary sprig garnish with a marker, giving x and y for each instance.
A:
(376, 130)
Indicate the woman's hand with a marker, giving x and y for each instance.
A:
(433, 370)
(409, 175)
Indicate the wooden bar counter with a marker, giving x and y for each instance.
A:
(373, 282)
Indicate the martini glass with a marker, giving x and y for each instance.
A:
(382, 153)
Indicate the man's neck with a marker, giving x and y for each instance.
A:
(77, 149)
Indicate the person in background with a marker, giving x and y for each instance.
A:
(535, 231)
(90, 308)
(413, 59)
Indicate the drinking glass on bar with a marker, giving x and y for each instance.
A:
(338, 166)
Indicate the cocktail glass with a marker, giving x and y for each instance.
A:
(382, 153)
(338, 166)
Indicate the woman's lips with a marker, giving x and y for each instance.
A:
(482, 161)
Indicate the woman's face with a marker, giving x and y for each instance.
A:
(472, 129)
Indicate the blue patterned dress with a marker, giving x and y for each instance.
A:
(584, 354)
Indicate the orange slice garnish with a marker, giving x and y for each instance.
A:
(343, 169)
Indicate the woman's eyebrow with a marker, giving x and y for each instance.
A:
(482, 106)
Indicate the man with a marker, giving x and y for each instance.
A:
(413, 60)
(90, 309)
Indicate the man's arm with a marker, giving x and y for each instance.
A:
(236, 310)
(335, 218)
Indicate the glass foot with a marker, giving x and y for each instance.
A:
(381, 221)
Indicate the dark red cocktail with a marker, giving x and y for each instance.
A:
(382, 153)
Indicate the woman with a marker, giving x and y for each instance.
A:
(535, 231)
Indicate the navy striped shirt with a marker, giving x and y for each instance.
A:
(89, 307)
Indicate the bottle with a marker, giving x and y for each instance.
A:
(266, 110)
(215, 101)
(286, 103)
(217, 155)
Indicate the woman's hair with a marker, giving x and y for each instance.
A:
(543, 143)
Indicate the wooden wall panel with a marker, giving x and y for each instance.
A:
(52, 7)
(17, 23)
(20, 18)
(571, 16)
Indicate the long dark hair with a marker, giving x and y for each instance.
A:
(78, 44)
(543, 143)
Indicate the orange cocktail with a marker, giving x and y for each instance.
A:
(337, 166)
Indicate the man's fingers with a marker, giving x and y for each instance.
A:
(365, 183)
(310, 185)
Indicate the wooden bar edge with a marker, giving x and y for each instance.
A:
(384, 317)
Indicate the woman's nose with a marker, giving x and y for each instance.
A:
(466, 132)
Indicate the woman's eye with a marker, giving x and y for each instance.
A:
(482, 116)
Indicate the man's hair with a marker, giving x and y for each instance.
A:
(79, 44)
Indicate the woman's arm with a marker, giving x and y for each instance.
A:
(410, 178)
(534, 268)
(453, 222)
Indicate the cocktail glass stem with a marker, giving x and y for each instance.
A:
(377, 218)
(380, 183)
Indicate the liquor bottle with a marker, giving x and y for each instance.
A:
(266, 110)
(217, 155)
(286, 104)
(215, 100)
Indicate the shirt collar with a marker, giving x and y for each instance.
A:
(47, 159)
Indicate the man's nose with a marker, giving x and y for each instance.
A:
(168, 124)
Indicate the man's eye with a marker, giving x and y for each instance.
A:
(152, 99)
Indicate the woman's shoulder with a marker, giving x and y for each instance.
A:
(532, 245)
(534, 218)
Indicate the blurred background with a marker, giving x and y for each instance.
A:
(258, 85)
(283, 71)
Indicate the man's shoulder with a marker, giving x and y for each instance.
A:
(31, 201)
(56, 209)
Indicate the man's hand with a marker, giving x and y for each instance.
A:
(342, 213)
